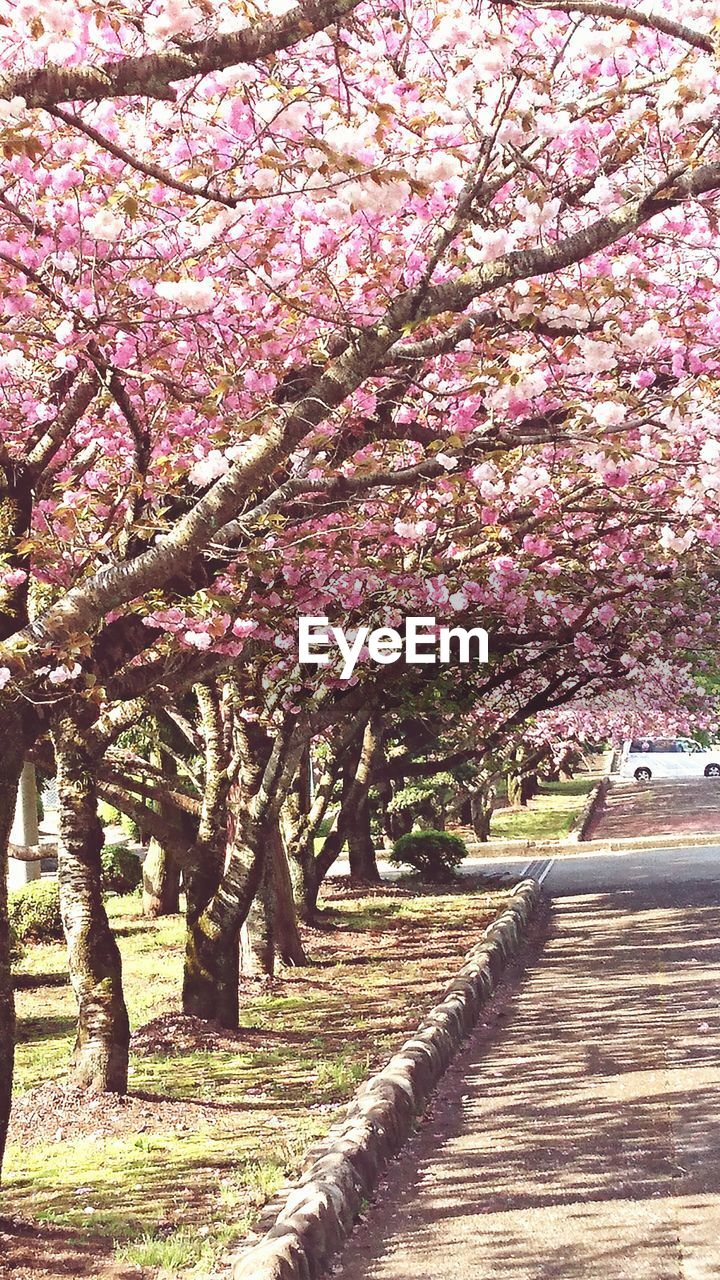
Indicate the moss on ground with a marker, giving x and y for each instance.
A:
(178, 1201)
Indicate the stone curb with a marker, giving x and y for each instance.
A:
(320, 1211)
(594, 802)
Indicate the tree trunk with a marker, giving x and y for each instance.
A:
(161, 882)
(528, 787)
(100, 1056)
(11, 762)
(482, 804)
(514, 790)
(270, 933)
(299, 850)
(288, 943)
(356, 806)
(161, 873)
(363, 866)
(257, 936)
(259, 788)
(18, 725)
(304, 879)
(301, 816)
(212, 961)
(217, 905)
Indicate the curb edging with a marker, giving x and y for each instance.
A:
(593, 803)
(320, 1210)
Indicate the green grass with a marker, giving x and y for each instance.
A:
(176, 1200)
(178, 1251)
(550, 815)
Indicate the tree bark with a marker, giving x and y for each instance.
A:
(514, 790)
(161, 882)
(257, 936)
(100, 1056)
(529, 786)
(212, 963)
(212, 960)
(482, 804)
(262, 771)
(288, 943)
(161, 873)
(309, 869)
(18, 727)
(361, 848)
(356, 801)
(270, 934)
(11, 762)
(300, 819)
(303, 870)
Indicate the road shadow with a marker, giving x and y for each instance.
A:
(579, 1133)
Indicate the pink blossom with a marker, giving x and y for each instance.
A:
(207, 469)
(198, 639)
(196, 295)
(63, 673)
(243, 627)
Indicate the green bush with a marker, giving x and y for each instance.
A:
(34, 912)
(435, 854)
(425, 801)
(121, 870)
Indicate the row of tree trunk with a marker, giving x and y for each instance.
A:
(250, 871)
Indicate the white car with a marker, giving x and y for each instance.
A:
(646, 758)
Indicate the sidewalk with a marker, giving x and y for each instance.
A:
(676, 807)
(579, 1135)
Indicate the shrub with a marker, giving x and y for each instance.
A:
(34, 912)
(435, 854)
(425, 801)
(121, 870)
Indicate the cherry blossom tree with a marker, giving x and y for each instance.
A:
(353, 310)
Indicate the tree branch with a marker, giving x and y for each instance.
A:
(150, 75)
(144, 166)
(621, 13)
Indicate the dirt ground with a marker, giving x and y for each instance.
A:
(214, 1121)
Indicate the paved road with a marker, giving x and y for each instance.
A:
(578, 1138)
(587, 872)
(582, 872)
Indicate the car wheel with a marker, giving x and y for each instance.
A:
(643, 775)
(712, 771)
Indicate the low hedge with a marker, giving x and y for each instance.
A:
(34, 910)
(34, 913)
(435, 854)
(121, 870)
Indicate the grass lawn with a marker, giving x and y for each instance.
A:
(549, 815)
(171, 1179)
